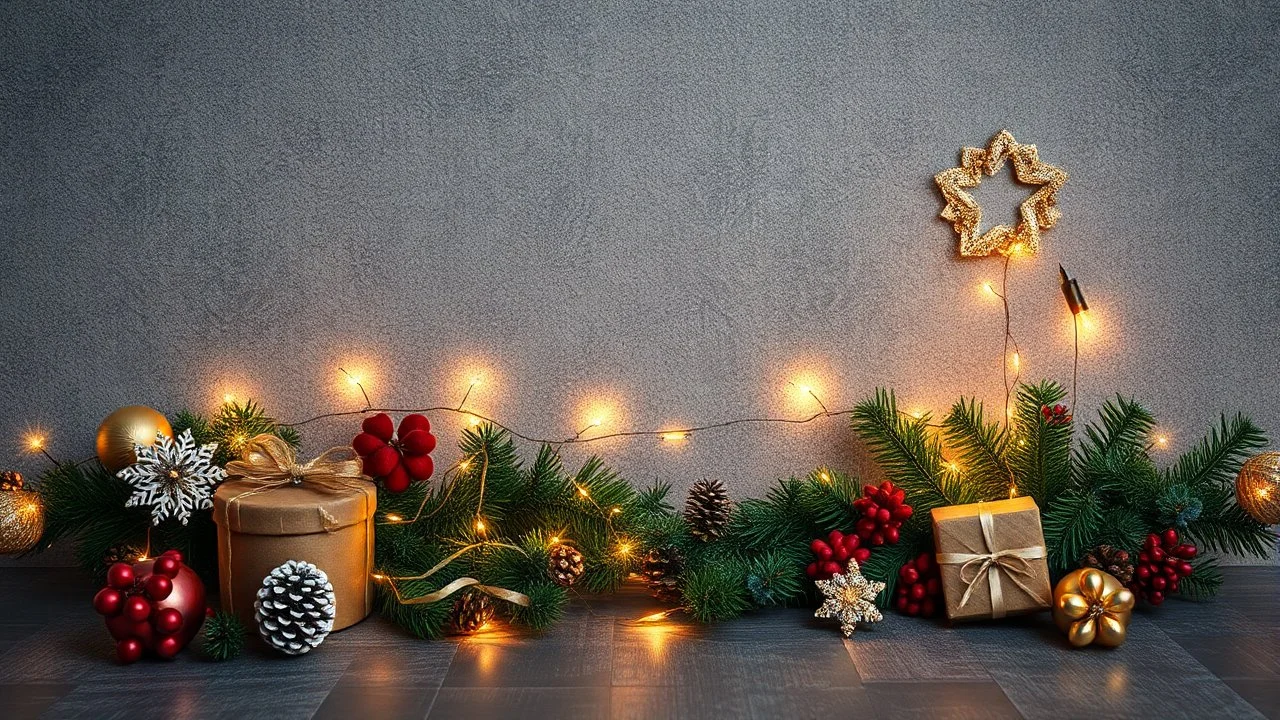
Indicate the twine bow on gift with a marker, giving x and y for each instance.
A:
(1013, 562)
(268, 462)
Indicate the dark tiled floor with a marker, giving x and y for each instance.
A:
(1182, 660)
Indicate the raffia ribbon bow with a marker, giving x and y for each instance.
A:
(510, 596)
(974, 565)
(269, 462)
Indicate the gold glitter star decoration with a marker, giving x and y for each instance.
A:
(1038, 212)
(850, 598)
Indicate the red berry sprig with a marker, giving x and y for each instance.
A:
(919, 591)
(1161, 565)
(136, 600)
(883, 510)
(1056, 415)
(832, 554)
(394, 459)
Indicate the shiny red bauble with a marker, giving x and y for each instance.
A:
(396, 460)
(883, 510)
(919, 590)
(1162, 564)
(832, 554)
(160, 610)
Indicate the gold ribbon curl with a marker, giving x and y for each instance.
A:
(1012, 561)
(510, 596)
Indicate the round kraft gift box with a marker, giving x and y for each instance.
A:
(260, 529)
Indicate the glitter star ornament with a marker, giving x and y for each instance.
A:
(850, 598)
(173, 477)
(1038, 212)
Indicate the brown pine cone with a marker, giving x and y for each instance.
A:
(707, 509)
(565, 564)
(10, 480)
(661, 571)
(1111, 560)
(470, 613)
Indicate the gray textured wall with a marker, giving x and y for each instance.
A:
(676, 207)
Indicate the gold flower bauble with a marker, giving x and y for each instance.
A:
(851, 598)
(1258, 488)
(1092, 607)
(1040, 211)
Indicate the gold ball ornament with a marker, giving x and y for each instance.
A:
(1092, 608)
(21, 520)
(1258, 488)
(124, 428)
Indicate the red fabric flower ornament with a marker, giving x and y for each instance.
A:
(396, 458)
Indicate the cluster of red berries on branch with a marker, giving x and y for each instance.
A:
(919, 591)
(1162, 564)
(883, 511)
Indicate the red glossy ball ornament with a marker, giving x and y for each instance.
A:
(160, 626)
(108, 601)
(129, 650)
(120, 576)
(159, 586)
(168, 647)
(175, 554)
(136, 608)
(167, 566)
(168, 621)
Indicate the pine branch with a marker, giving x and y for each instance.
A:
(1204, 581)
(1071, 525)
(1218, 457)
(909, 454)
(1039, 454)
(1122, 423)
(982, 447)
(716, 591)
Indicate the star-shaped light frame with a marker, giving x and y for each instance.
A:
(1040, 211)
(850, 598)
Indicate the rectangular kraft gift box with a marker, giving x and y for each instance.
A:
(259, 531)
(1015, 524)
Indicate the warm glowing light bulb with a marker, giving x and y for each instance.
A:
(555, 539)
(655, 617)
(1017, 360)
(825, 477)
(624, 549)
(917, 414)
(464, 464)
(986, 286)
(597, 421)
(228, 398)
(674, 436)
(35, 442)
(1263, 493)
(615, 511)
(582, 491)
(1086, 321)
(479, 525)
(954, 467)
(475, 380)
(805, 389)
(353, 380)
(378, 576)
(394, 518)
(473, 421)
(1013, 491)
(1162, 441)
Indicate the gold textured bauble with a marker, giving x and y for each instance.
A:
(21, 520)
(1258, 488)
(124, 428)
(1039, 211)
(1092, 608)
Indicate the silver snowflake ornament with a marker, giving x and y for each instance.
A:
(173, 477)
(850, 598)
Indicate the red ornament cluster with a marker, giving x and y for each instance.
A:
(919, 591)
(1162, 563)
(883, 511)
(1056, 415)
(832, 555)
(396, 459)
(155, 606)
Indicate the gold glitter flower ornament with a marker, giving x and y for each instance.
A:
(850, 598)
(1040, 211)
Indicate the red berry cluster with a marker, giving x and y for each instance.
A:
(135, 600)
(919, 587)
(882, 511)
(1056, 415)
(396, 460)
(1162, 563)
(832, 555)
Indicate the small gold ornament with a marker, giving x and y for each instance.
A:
(1037, 212)
(1258, 488)
(124, 428)
(21, 520)
(850, 598)
(1092, 607)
